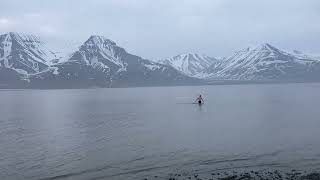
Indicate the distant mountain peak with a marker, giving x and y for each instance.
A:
(268, 46)
(194, 55)
(98, 40)
(265, 44)
(189, 64)
(262, 47)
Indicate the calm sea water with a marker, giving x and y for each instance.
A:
(133, 133)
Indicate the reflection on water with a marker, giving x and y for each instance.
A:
(137, 132)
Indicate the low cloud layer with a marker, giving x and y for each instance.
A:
(158, 29)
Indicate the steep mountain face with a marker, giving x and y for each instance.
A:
(190, 64)
(20, 56)
(265, 62)
(100, 53)
(24, 53)
(101, 62)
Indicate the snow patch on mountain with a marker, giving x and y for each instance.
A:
(152, 66)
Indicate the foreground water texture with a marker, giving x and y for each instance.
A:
(241, 132)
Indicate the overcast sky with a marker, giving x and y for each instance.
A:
(161, 28)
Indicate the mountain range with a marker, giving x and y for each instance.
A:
(265, 62)
(260, 63)
(27, 62)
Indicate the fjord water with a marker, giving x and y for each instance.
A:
(133, 133)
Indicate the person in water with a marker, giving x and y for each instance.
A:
(200, 99)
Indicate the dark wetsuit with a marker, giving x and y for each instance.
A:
(200, 100)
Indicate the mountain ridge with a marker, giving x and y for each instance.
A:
(263, 62)
(99, 62)
(102, 60)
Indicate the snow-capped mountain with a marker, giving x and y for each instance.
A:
(24, 53)
(123, 67)
(98, 52)
(25, 61)
(100, 61)
(190, 64)
(265, 62)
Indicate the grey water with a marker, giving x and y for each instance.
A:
(133, 133)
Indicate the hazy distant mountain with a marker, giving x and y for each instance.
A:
(190, 64)
(25, 61)
(265, 62)
(123, 66)
(101, 62)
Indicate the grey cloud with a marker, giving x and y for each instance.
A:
(158, 29)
